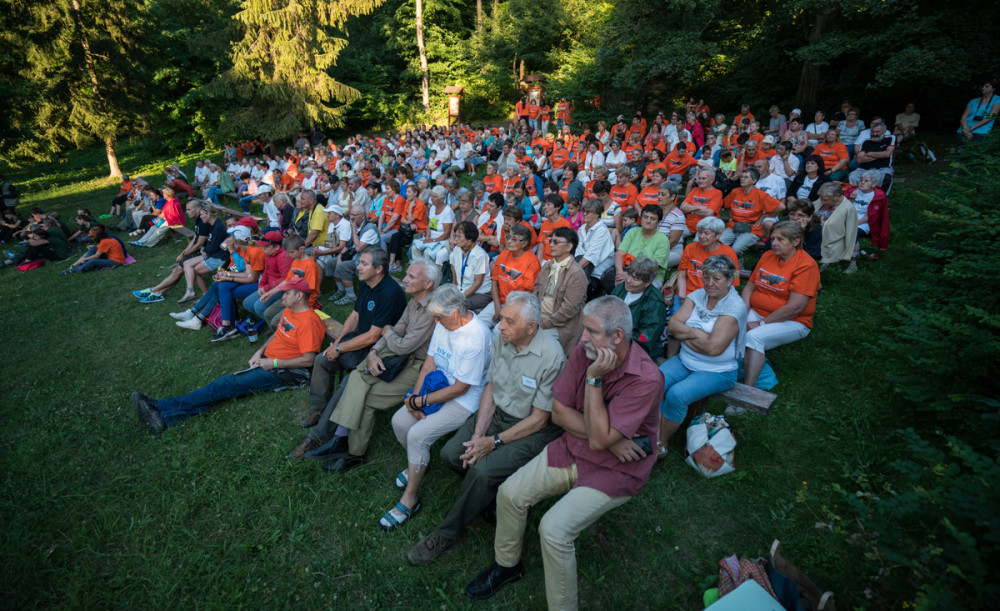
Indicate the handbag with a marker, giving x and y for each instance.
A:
(393, 364)
(741, 227)
(433, 381)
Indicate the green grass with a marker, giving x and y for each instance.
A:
(98, 513)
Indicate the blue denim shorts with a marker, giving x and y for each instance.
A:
(212, 263)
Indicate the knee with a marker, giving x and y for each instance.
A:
(552, 530)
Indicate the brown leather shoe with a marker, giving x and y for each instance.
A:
(307, 444)
(428, 550)
(311, 420)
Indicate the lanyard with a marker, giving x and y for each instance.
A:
(465, 260)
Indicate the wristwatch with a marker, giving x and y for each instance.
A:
(497, 443)
(595, 382)
(337, 349)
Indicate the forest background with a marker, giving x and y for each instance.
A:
(902, 428)
(196, 73)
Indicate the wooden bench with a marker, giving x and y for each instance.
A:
(332, 328)
(748, 397)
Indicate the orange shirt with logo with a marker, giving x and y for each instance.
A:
(625, 196)
(493, 183)
(512, 274)
(832, 154)
(694, 257)
(296, 334)
(649, 195)
(749, 207)
(711, 198)
(546, 234)
(774, 280)
(677, 164)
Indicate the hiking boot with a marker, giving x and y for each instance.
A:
(429, 550)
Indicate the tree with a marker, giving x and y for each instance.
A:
(83, 75)
(279, 81)
(425, 77)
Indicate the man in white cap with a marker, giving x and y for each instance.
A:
(338, 236)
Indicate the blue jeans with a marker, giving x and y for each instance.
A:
(213, 194)
(255, 306)
(93, 264)
(245, 202)
(229, 292)
(178, 409)
(683, 387)
(203, 307)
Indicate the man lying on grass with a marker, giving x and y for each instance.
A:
(283, 361)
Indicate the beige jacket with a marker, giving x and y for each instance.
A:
(840, 232)
(570, 297)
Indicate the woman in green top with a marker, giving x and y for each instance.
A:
(649, 313)
(649, 242)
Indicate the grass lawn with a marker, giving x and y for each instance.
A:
(100, 514)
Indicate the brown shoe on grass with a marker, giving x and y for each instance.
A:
(429, 550)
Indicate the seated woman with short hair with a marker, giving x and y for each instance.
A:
(780, 298)
(711, 328)
(107, 253)
(649, 313)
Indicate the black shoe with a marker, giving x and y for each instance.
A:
(146, 409)
(344, 464)
(492, 579)
(335, 448)
(224, 333)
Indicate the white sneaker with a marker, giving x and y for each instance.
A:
(731, 410)
(194, 324)
(185, 315)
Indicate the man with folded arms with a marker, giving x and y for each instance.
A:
(283, 361)
(607, 398)
(512, 425)
(389, 370)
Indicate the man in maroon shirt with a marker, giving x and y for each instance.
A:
(606, 399)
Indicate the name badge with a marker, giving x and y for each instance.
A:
(529, 382)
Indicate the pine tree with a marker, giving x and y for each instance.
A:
(279, 81)
(83, 70)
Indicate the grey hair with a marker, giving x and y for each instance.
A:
(380, 258)
(494, 165)
(280, 198)
(451, 182)
(831, 189)
(673, 187)
(446, 300)
(719, 264)
(612, 313)
(874, 175)
(431, 272)
(478, 185)
(439, 191)
(713, 224)
(643, 268)
(593, 205)
(599, 168)
(531, 308)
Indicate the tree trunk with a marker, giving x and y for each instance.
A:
(425, 77)
(109, 148)
(479, 14)
(109, 143)
(809, 78)
(522, 71)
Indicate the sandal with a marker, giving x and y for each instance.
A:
(400, 481)
(389, 522)
(661, 451)
(186, 297)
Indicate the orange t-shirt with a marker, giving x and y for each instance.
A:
(650, 168)
(297, 334)
(395, 205)
(677, 164)
(519, 109)
(774, 279)
(559, 157)
(308, 270)
(694, 257)
(112, 249)
(493, 183)
(661, 146)
(628, 147)
(712, 198)
(533, 110)
(749, 159)
(546, 234)
(253, 256)
(626, 195)
(546, 112)
(832, 154)
(512, 274)
(420, 215)
(509, 182)
(749, 207)
(125, 187)
(649, 195)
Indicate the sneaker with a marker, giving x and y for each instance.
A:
(345, 300)
(224, 333)
(735, 410)
(194, 323)
(184, 315)
(148, 413)
(338, 295)
(395, 268)
(142, 293)
(151, 298)
(9, 253)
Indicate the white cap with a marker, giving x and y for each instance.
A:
(239, 232)
(334, 208)
(261, 190)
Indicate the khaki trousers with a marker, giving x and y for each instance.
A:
(363, 395)
(560, 526)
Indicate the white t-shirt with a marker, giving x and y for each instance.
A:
(696, 361)
(773, 186)
(597, 247)
(861, 202)
(200, 174)
(463, 355)
(343, 229)
(475, 262)
(271, 211)
(814, 129)
(437, 220)
(807, 185)
(778, 166)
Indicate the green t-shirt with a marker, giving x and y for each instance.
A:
(656, 248)
(58, 243)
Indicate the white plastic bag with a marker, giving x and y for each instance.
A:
(711, 447)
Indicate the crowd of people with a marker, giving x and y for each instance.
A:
(557, 318)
